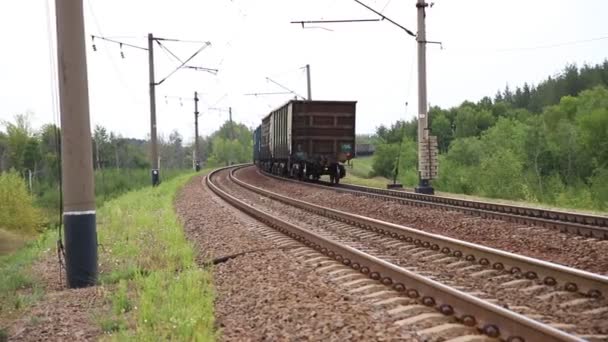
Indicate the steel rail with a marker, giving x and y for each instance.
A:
(490, 319)
(586, 225)
(572, 279)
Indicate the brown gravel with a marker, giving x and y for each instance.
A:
(268, 295)
(536, 242)
(61, 314)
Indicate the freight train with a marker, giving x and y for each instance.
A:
(306, 139)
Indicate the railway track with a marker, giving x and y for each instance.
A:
(440, 273)
(569, 222)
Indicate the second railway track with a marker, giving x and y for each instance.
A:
(595, 226)
(474, 283)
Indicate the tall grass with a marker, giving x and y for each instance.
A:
(109, 183)
(161, 293)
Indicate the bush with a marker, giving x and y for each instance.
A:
(384, 160)
(500, 176)
(599, 188)
(17, 212)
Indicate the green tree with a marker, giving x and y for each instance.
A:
(384, 161)
(465, 151)
(592, 124)
(226, 150)
(471, 122)
(442, 128)
(17, 211)
(599, 188)
(500, 175)
(3, 151)
(18, 135)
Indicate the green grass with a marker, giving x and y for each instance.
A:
(361, 167)
(18, 288)
(158, 292)
(376, 182)
(360, 171)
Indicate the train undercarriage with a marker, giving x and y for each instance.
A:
(304, 170)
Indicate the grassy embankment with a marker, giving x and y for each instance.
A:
(158, 292)
(147, 268)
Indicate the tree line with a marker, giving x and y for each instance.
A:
(545, 143)
(121, 164)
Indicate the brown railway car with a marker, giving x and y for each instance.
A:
(307, 139)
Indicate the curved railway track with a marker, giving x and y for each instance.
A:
(595, 226)
(440, 272)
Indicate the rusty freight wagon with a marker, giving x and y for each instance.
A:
(307, 139)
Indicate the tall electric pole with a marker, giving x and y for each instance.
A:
(155, 162)
(427, 144)
(153, 143)
(232, 137)
(308, 81)
(425, 156)
(76, 153)
(197, 164)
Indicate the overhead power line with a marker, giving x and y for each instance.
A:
(115, 42)
(284, 87)
(303, 22)
(269, 93)
(386, 18)
(549, 46)
(184, 62)
(341, 21)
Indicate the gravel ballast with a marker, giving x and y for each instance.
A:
(267, 294)
(536, 242)
(509, 291)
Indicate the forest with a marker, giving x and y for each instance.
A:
(546, 143)
(30, 165)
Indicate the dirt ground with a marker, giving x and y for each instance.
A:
(60, 314)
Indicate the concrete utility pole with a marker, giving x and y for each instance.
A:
(197, 166)
(424, 154)
(76, 153)
(308, 81)
(232, 137)
(153, 142)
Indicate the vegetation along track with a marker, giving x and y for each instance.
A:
(437, 270)
(585, 225)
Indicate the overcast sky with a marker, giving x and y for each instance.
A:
(486, 45)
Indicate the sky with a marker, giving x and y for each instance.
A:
(486, 44)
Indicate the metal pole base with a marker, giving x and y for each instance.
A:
(80, 249)
(424, 187)
(155, 177)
